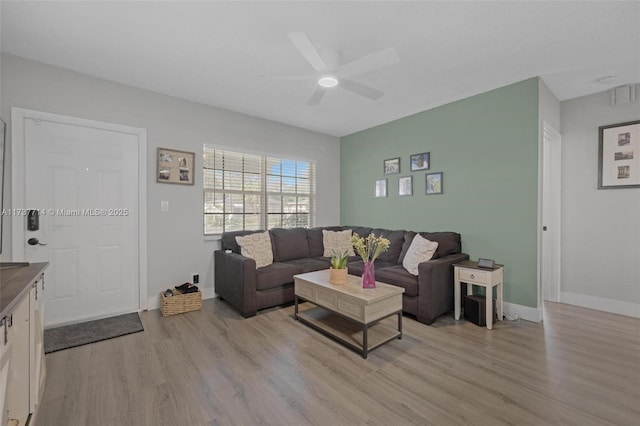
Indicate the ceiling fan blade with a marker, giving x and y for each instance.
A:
(306, 48)
(379, 59)
(287, 77)
(360, 89)
(316, 96)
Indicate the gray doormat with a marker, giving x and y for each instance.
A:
(70, 336)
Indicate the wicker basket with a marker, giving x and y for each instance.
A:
(180, 302)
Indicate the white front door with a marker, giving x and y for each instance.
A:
(83, 179)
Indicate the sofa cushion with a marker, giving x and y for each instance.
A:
(355, 268)
(275, 275)
(289, 244)
(310, 264)
(336, 242)
(448, 243)
(228, 239)
(257, 247)
(420, 250)
(396, 238)
(362, 231)
(399, 276)
(314, 240)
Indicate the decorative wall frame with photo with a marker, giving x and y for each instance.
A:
(420, 161)
(434, 183)
(381, 188)
(392, 166)
(619, 155)
(405, 185)
(175, 166)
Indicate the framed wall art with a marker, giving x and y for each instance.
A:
(381, 188)
(392, 166)
(175, 166)
(420, 161)
(405, 185)
(434, 183)
(619, 155)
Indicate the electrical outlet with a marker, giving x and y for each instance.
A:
(196, 278)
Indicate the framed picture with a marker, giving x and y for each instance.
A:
(392, 166)
(434, 183)
(381, 188)
(175, 166)
(420, 161)
(619, 155)
(405, 185)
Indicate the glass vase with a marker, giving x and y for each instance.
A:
(368, 275)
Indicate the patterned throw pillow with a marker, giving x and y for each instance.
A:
(337, 242)
(419, 251)
(257, 247)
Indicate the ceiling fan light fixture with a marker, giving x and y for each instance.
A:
(328, 82)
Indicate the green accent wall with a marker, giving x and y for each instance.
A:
(487, 148)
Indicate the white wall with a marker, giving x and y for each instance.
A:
(548, 107)
(176, 247)
(600, 228)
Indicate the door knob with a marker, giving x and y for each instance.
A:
(35, 242)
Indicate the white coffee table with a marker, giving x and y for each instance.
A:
(347, 312)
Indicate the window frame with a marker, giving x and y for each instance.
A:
(264, 193)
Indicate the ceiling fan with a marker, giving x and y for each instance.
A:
(333, 74)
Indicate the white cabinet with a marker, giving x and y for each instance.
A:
(36, 351)
(22, 366)
(5, 367)
(18, 386)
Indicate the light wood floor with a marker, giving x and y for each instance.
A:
(580, 367)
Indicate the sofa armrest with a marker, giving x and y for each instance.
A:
(435, 287)
(235, 281)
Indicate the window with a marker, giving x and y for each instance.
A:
(249, 192)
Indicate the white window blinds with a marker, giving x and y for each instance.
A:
(249, 192)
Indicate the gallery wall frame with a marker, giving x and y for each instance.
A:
(381, 188)
(434, 183)
(420, 161)
(175, 166)
(392, 166)
(405, 186)
(619, 155)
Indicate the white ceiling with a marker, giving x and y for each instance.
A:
(225, 53)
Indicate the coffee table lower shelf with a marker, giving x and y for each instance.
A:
(362, 338)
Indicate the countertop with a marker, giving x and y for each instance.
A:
(14, 284)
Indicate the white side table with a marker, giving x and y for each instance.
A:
(468, 272)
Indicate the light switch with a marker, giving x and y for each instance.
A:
(164, 206)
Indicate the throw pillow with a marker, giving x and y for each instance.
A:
(420, 251)
(337, 242)
(257, 247)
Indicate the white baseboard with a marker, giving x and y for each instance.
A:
(601, 304)
(525, 312)
(154, 302)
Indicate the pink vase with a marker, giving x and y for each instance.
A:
(368, 275)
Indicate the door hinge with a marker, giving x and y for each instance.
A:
(544, 228)
(6, 322)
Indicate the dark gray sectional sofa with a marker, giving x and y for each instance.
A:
(300, 250)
